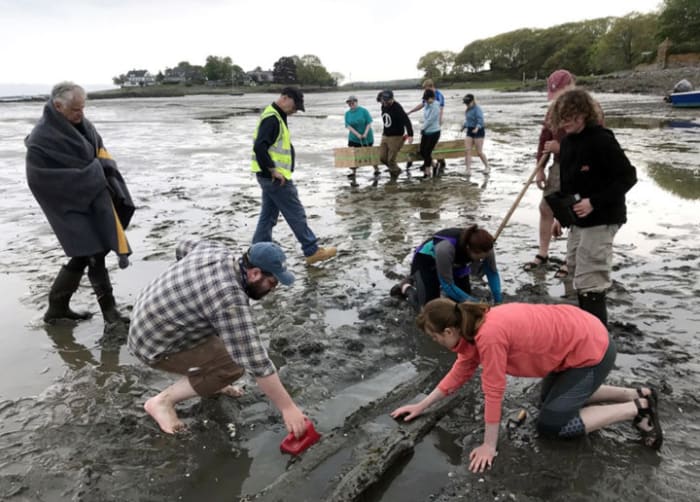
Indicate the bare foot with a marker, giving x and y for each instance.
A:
(232, 391)
(164, 414)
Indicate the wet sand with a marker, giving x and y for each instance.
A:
(72, 424)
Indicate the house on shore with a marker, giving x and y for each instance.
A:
(139, 78)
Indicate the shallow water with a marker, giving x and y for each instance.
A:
(72, 426)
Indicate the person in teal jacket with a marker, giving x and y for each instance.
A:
(358, 122)
(443, 264)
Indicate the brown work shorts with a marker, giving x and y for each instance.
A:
(208, 366)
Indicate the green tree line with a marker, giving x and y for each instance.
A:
(307, 70)
(593, 46)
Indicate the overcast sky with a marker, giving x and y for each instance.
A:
(45, 41)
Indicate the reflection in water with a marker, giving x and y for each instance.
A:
(682, 182)
(76, 355)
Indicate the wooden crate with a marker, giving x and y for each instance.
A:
(369, 155)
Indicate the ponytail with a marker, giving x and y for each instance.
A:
(442, 313)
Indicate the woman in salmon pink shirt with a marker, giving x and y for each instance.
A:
(568, 347)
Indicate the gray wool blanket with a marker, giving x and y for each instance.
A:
(78, 186)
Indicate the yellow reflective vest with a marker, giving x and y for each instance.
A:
(281, 150)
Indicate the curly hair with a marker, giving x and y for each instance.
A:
(572, 104)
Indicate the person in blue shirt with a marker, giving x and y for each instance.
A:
(443, 264)
(428, 84)
(474, 125)
(358, 122)
(430, 133)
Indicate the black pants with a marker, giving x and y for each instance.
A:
(95, 263)
(424, 273)
(427, 145)
(565, 393)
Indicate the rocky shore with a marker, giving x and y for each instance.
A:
(647, 81)
(642, 82)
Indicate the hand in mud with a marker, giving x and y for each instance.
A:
(407, 413)
(481, 458)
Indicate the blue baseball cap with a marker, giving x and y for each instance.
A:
(269, 257)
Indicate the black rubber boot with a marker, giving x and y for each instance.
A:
(103, 290)
(594, 303)
(62, 289)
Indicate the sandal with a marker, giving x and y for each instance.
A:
(562, 272)
(653, 437)
(536, 263)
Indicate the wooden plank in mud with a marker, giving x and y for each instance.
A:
(369, 155)
(351, 458)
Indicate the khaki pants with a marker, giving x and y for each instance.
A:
(388, 151)
(208, 366)
(589, 257)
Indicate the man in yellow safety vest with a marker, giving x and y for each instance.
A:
(273, 164)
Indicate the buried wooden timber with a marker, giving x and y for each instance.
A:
(351, 458)
(369, 155)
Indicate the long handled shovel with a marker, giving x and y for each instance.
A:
(540, 165)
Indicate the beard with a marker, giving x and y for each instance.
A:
(256, 290)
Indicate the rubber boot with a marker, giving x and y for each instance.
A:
(594, 303)
(62, 289)
(103, 290)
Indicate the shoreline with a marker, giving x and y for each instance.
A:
(646, 81)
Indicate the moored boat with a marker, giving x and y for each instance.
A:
(690, 99)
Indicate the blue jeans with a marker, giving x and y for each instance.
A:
(276, 199)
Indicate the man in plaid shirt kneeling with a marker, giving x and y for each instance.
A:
(195, 320)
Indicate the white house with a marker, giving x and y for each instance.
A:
(139, 78)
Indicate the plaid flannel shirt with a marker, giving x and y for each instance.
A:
(200, 295)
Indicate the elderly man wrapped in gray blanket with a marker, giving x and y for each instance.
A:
(84, 197)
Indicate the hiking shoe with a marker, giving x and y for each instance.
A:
(412, 297)
(397, 289)
(320, 255)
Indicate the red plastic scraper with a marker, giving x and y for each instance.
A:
(295, 446)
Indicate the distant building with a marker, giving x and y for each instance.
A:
(184, 75)
(139, 78)
(260, 76)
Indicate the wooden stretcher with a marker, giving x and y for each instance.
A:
(369, 155)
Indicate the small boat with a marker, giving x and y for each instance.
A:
(690, 99)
